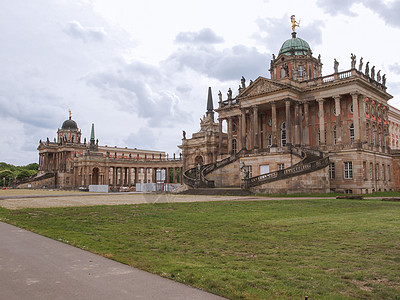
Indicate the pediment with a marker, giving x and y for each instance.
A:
(261, 86)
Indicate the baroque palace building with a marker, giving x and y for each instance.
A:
(299, 131)
(69, 162)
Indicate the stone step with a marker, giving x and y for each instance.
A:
(218, 191)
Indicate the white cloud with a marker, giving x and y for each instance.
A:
(141, 75)
(75, 30)
(204, 36)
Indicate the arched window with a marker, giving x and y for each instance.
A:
(384, 138)
(352, 133)
(270, 140)
(283, 134)
(234, 146)
(334, 135)
(373, 135)
(379, 137)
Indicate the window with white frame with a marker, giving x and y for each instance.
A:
(348, 170)
(281, 166)
(352, 133)
(301, 71)
(365, 170)
(371, 171)
(332, 170)
(234, 146)
(283, 134)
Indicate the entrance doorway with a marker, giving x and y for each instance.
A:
(95, 176)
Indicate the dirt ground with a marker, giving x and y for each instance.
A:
(16, 199)
(20, 198)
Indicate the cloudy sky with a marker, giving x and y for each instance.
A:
(140, 70)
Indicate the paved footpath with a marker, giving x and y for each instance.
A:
(36, 267)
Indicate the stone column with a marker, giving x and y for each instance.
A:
(338, 121)
(321, 120)
(288, 125)
(297, 132)
(239, 134)
(155, 175)
(107, 175)
(230, 135)
(220, 136)
(356, 120)
(256, 131)
(306, 125)
(244, 129)
(362, 119)
(129, 176)
(87, 176)
(181, 175)
(115, 175)
(274, 125)
(136, 175)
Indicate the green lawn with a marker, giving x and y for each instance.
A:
(326, 249)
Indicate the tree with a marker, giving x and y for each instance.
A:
(7, 175)
(25, 173)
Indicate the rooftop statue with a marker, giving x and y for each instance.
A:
(294, 23)
(378, 76)
(353, 61)
(336, 65)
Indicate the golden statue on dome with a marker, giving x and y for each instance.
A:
(294, 23)
(70, 114)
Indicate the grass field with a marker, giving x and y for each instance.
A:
(326, 249)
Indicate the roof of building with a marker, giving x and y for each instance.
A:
(69, 124)
(295, 45)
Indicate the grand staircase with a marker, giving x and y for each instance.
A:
(311, 160)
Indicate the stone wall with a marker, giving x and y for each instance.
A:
(227, 176)
(38, 183)
(365, 178)
(315, 182)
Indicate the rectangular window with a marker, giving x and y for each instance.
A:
(377, 171)
(388, 171)
(383, 172)
(332, 170)
(250, 171)
(365, 170)
(348, 170)
(264, 169)
(281, 166)
(371, 171)
(334, 135)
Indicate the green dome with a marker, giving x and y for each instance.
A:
(298, 45)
